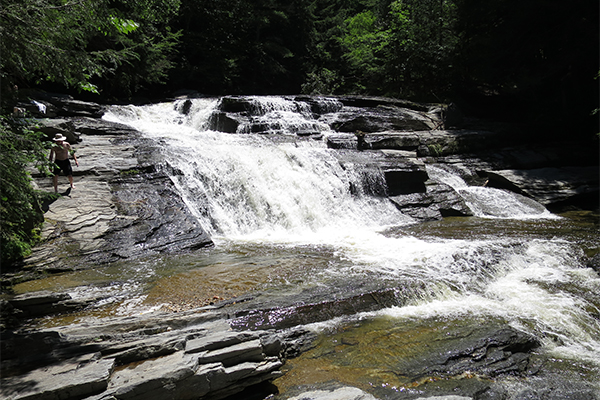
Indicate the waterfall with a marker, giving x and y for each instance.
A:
(251, 185)
(491, 202)
(291, 191)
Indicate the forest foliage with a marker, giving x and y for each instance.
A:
(532, 61)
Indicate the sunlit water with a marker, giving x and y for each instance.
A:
(284, 221)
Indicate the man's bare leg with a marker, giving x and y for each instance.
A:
(55, 180)
(71, 181)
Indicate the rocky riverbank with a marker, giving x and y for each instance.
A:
(125, 206)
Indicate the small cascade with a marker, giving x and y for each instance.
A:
(491, 202)
(273, 115)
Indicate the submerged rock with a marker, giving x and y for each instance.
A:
(337, 393)
(297, 315)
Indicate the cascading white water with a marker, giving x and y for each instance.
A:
(279, 115)
(491, 202)
(247, 185)
(249, 188)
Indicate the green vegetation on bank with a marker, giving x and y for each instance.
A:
(523, 61)
(20, 212)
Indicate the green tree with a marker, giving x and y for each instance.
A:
(423, 42)
(385, 47)
(75, 42)
(142, 31)
(366, 41)
(238, 46)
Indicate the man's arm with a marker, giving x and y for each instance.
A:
(74, 156)
(51, 157)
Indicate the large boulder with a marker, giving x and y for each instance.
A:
(51, 105)
(381, 119)
(44, 303)
(427, 143)
(95, 126)
(436, 202)
(152, 217)
(240, 114)
(50, 127)
(71, 379)
(124, 205)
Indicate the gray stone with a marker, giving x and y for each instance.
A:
(380, 119)
(95, 126)
(251, 351)
(436, 143)
(50, 127)
(214, 342)
(487, 350)
(44, 303)
(594, 262)
(154, 379)
(393, 140)
(147, 348)
(36, 298)
(287, 317)
(222, 122)
(445, 398)
(446, 142)
(272, 345)
(436, 202)
(550, 186)
(101, 219)
(71, 379)
(342, 393)
(229, 381)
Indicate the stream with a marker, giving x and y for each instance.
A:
(288, 230)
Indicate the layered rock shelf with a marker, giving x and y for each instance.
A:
(213, 353)
(192, 355)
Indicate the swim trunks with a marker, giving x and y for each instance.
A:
(63, 165)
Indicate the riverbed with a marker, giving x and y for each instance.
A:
(287, 231)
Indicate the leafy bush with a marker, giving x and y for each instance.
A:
(20, 212)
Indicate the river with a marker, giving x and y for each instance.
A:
(287, 228)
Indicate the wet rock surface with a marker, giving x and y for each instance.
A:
(192, 355)
(205, 354)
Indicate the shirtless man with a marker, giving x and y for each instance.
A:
(60, 154)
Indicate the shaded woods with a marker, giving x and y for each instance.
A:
(539, 55)
(530, 62)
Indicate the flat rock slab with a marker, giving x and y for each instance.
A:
(45, 303)
(155, 379)
(343, 393)
(68, 380)
(548, 185)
